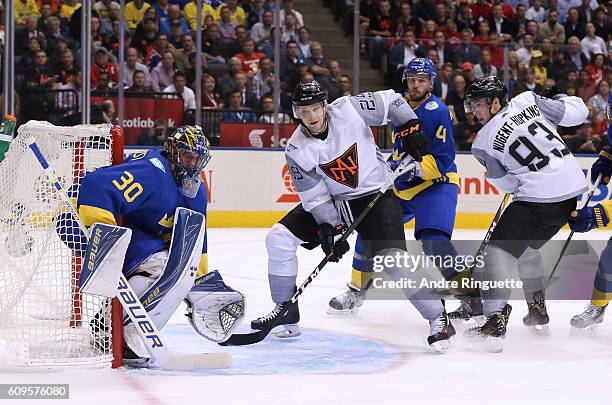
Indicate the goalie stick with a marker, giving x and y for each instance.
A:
(255, 337)
(147, 330)
(569, 238)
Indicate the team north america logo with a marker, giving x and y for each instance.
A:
(344, 169)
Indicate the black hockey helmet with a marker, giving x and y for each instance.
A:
(488, 87)
(306, 93)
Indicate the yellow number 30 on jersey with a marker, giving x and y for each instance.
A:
(130, 189)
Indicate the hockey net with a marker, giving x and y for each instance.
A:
(45, 322)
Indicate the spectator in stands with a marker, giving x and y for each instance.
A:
(190, 11)
(154, 136)
(211, 100)
(591, 142)
(97, 39)
(585, 11)
(467, 51)
(552, 29)
(456, 97)
(138, 83)
(400, 55)
(174, 18)
(559, 66)
(226, 25)
(426, 39)
(162, 10)
(25, 8)
(68, 100)
(27, 59)
(105, 114)
(504, 27)
(485, 68)
(254, 10)
(524, 52)
(575, 53)
(235, 46)
(247, 96)
(541, 74)
(289, 29)
(573, 27)
(179, 86)
(332, 82)
(68, 70)
(163, 73)
(289, 66)
(261, 31)
(145, 38)
(591, 44)
(444, 82)
(481, 10)
(103, 83)
(249, 58)
(406, 22)
(599, 102)
(263, 81)
(240, 113)
(464, 16)
(317, 64)
(102, 9)
(39, 76)
(212, 46)
(226, 82)
(603, 24)
(102, 64)
(465, 132)
(380, 28)
(237, 13)
(176, 35)
(521, 19)
(132, 64)
(287, 9)
(536, 12)
(441, 14)
(527, 82)
(304, 43)
(107, 24)
(596, 69)
(547, 51)
(482, 39)
(54, 34)
(181, 56)
(30, 31)
(452, 36)
(68, 8)
(134, 12)
(267, 117)
(444, 52)
(345, 85)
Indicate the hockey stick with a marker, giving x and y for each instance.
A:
(569, 238)
(255, 337)
(131, 303)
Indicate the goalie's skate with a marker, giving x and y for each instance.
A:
(440, 332)
(489, 337)
(537, 318)
(288, 325)
(347, 303)
(469, 310)
(132, 360)
(588, 320)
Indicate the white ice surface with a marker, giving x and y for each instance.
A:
(379, 356)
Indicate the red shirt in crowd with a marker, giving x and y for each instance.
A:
(250, 63)
(481, 12)
(111, 69)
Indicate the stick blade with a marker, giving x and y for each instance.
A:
(243, 339)
(199, 361)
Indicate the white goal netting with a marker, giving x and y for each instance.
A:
(45, 322)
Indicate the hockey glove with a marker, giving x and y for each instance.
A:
(328, 235)
(551, 92)
(413, 139)
(588, 218)
(603, 166)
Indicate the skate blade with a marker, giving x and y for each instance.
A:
(286, 331)
(539, 330)
(342, 312)
(485, 344)
(441, 346)
(588, 331)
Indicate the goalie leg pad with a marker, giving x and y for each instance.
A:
(214, 309)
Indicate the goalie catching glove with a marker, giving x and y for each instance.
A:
(414, 141)
(214, 309)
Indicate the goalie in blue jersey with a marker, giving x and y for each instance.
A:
(430, 198)
(145, 191)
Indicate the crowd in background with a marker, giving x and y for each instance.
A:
(532, 45)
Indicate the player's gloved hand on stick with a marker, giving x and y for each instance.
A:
(328, 235)
(551, 92)
(603, 166)
(413, 139)
(588, 218)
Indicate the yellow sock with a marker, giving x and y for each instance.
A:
(360, 279)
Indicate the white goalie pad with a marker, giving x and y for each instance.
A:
(103, 260)
(214, 309)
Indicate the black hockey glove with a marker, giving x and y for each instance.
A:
(413, 139)
(552, 91)
(328, 235)
(603, 166)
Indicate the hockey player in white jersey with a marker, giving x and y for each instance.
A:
(524, 156)
(337, 169)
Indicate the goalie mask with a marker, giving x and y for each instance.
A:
(214, 309)
(188, 152)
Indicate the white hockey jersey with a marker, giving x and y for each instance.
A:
(346, 164)
(523, 153)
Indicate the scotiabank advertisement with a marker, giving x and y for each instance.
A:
(141, 113)
(254, 188)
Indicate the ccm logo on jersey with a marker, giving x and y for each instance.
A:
(143, 324)
(344, 169)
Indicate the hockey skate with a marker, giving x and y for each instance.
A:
(469, 310)
(489, 337)
(440, 332)
(287, 326)
(537, 318)
(132, 360)
(347, 303)
(588, 321)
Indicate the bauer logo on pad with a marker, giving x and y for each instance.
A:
(344, 169)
